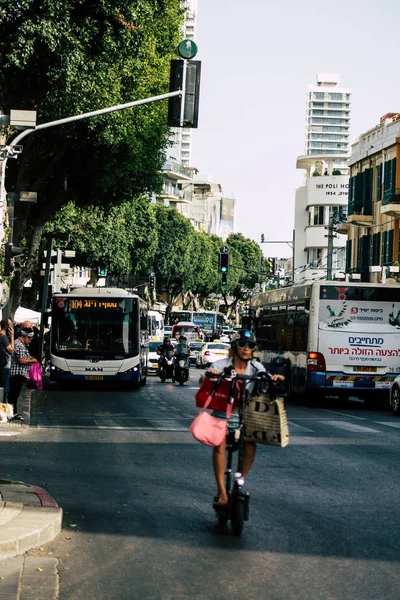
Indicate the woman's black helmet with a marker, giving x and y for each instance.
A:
(243, 335)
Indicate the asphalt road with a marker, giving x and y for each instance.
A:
(136, 490)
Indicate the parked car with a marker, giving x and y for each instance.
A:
(195, 348)
(152, 365)
(395, 396)
(210, 352)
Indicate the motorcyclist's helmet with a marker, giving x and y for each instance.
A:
(183, 338)
(242, 337)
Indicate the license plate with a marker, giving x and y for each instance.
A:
(219, 354)
(365, 369)
(154, 365)
(382, 384)
(94, 377)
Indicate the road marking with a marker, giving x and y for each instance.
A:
(397, 425)
(297, 426)
(350, 427)
(335, 412)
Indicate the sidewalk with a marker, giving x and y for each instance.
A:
(29, 518)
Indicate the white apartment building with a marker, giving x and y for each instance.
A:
(209, 210)
(325, 190)
(328, 118)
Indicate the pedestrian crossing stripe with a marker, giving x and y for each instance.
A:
(359, 378)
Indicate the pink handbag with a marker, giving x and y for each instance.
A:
(35, 376)
(208, 429)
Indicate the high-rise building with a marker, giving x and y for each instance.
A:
(328, 118)
(322, 200)
(181, 137)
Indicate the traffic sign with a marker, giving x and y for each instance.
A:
(187, 49)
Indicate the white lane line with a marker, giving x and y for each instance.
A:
(397, 425)
(335, 412)
(350, 427)
(293, 425)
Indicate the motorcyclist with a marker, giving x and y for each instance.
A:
(243, 345)
(182, 349)
(166, 349)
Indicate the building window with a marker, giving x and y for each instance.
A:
(335, 96)
(314, 257)
(319, 95)
(316, 215)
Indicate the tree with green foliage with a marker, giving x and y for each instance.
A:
(68, 57)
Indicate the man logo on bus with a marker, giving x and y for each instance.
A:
(354, 310)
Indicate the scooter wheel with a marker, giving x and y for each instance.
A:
(237, 517)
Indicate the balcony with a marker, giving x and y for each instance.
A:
(177, 171)
(359, 218)
(173, 193)
(342, 227)
(391, 203)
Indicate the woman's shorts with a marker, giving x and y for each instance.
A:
(233, 421)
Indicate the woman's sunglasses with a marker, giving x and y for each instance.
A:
(250, 345)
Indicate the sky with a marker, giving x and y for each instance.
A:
(258, 57)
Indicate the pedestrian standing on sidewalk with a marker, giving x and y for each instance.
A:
(20, 363)
(6, 350)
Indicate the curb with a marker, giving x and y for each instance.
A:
(26, 524)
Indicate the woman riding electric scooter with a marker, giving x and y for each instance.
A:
(243, 344)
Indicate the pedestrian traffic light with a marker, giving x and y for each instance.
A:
(152, 281)
(192, 93)
(223, 262)
(11, 252)
(224, 279)
(102, 271)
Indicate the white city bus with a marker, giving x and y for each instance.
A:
(331, 338)
(98, 334)
(156, 325)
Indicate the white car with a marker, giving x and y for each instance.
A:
(153, 357)
(395, 396)
(225, 337)
(210, 352)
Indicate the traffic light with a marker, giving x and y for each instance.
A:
(10, 253)
(272, 265)
(152, 281)
(192, 95)
(102, 271)
(223, 262)
(224, 279)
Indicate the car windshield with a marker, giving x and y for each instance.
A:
(153, 346)
(196, 345)
(217, 346)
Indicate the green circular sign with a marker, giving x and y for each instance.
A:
(187, 49)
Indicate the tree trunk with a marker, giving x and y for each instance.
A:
(27, 272)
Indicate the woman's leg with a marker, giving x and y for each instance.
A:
(219, 464)
(249, 452)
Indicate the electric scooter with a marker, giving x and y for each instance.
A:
(237, 509)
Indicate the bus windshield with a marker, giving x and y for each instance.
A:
(95, 328)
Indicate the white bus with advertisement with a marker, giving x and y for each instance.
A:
(331, 338)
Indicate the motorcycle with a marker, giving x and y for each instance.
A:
(166, 367)
(182, 365)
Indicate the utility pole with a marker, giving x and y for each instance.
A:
(332, 233)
